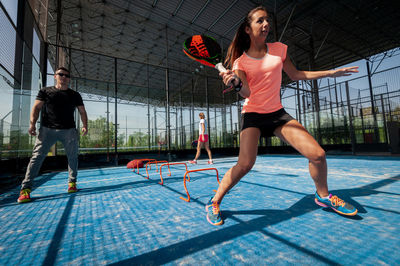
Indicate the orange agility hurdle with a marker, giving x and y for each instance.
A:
(187, 174)
(153, 162)
(162, 181)
(137, 166)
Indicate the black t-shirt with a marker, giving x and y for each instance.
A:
(59, 106)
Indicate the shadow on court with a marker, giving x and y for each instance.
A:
(11, 198)
(268, 217)
(262, 219)
(61, 227)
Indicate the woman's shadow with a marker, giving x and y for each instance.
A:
(268, 217)
(307, 204)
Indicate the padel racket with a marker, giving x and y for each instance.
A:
(205, 50)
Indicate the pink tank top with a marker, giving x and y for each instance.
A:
(264, 76)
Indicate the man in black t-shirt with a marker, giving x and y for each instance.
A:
(57, 104)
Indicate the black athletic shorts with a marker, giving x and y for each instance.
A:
(267, 123)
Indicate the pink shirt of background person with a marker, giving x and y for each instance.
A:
(264, 76)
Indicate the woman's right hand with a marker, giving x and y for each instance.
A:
(228, 76)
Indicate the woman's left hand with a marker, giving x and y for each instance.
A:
(346, 71)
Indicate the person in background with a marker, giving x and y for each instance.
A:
(203, 140)
(57, 105)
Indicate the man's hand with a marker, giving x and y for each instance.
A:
(84, 131)
(32, 130)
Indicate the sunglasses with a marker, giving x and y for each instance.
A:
(62, 75)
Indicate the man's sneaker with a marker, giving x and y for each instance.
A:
(193, 162)
(24, 195)
(337, 204)
(72, 187)
(210, 162)
(213, 213)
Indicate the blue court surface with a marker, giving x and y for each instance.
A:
(119, 217)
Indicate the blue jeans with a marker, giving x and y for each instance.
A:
(46, 138)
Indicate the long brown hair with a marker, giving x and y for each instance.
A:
(241, 41)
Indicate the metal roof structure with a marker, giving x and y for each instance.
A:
(146, 38)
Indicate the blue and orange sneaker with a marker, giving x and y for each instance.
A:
(209, 204)
(213, 213)
(336, 204)
(24, 195)
(72, 187)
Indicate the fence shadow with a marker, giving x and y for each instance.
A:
(268, 217)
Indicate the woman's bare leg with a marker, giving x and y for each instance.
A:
(299, 138)
(207, 146)
(247, 157)
(199, 144)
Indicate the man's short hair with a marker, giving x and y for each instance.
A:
(62, 68)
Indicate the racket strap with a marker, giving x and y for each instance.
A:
(237, 88)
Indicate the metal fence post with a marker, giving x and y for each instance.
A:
(352, 133)
(384, 119)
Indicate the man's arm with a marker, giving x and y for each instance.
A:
(37, 106)
(82, 112)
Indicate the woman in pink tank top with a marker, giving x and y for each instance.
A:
(257, 73)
